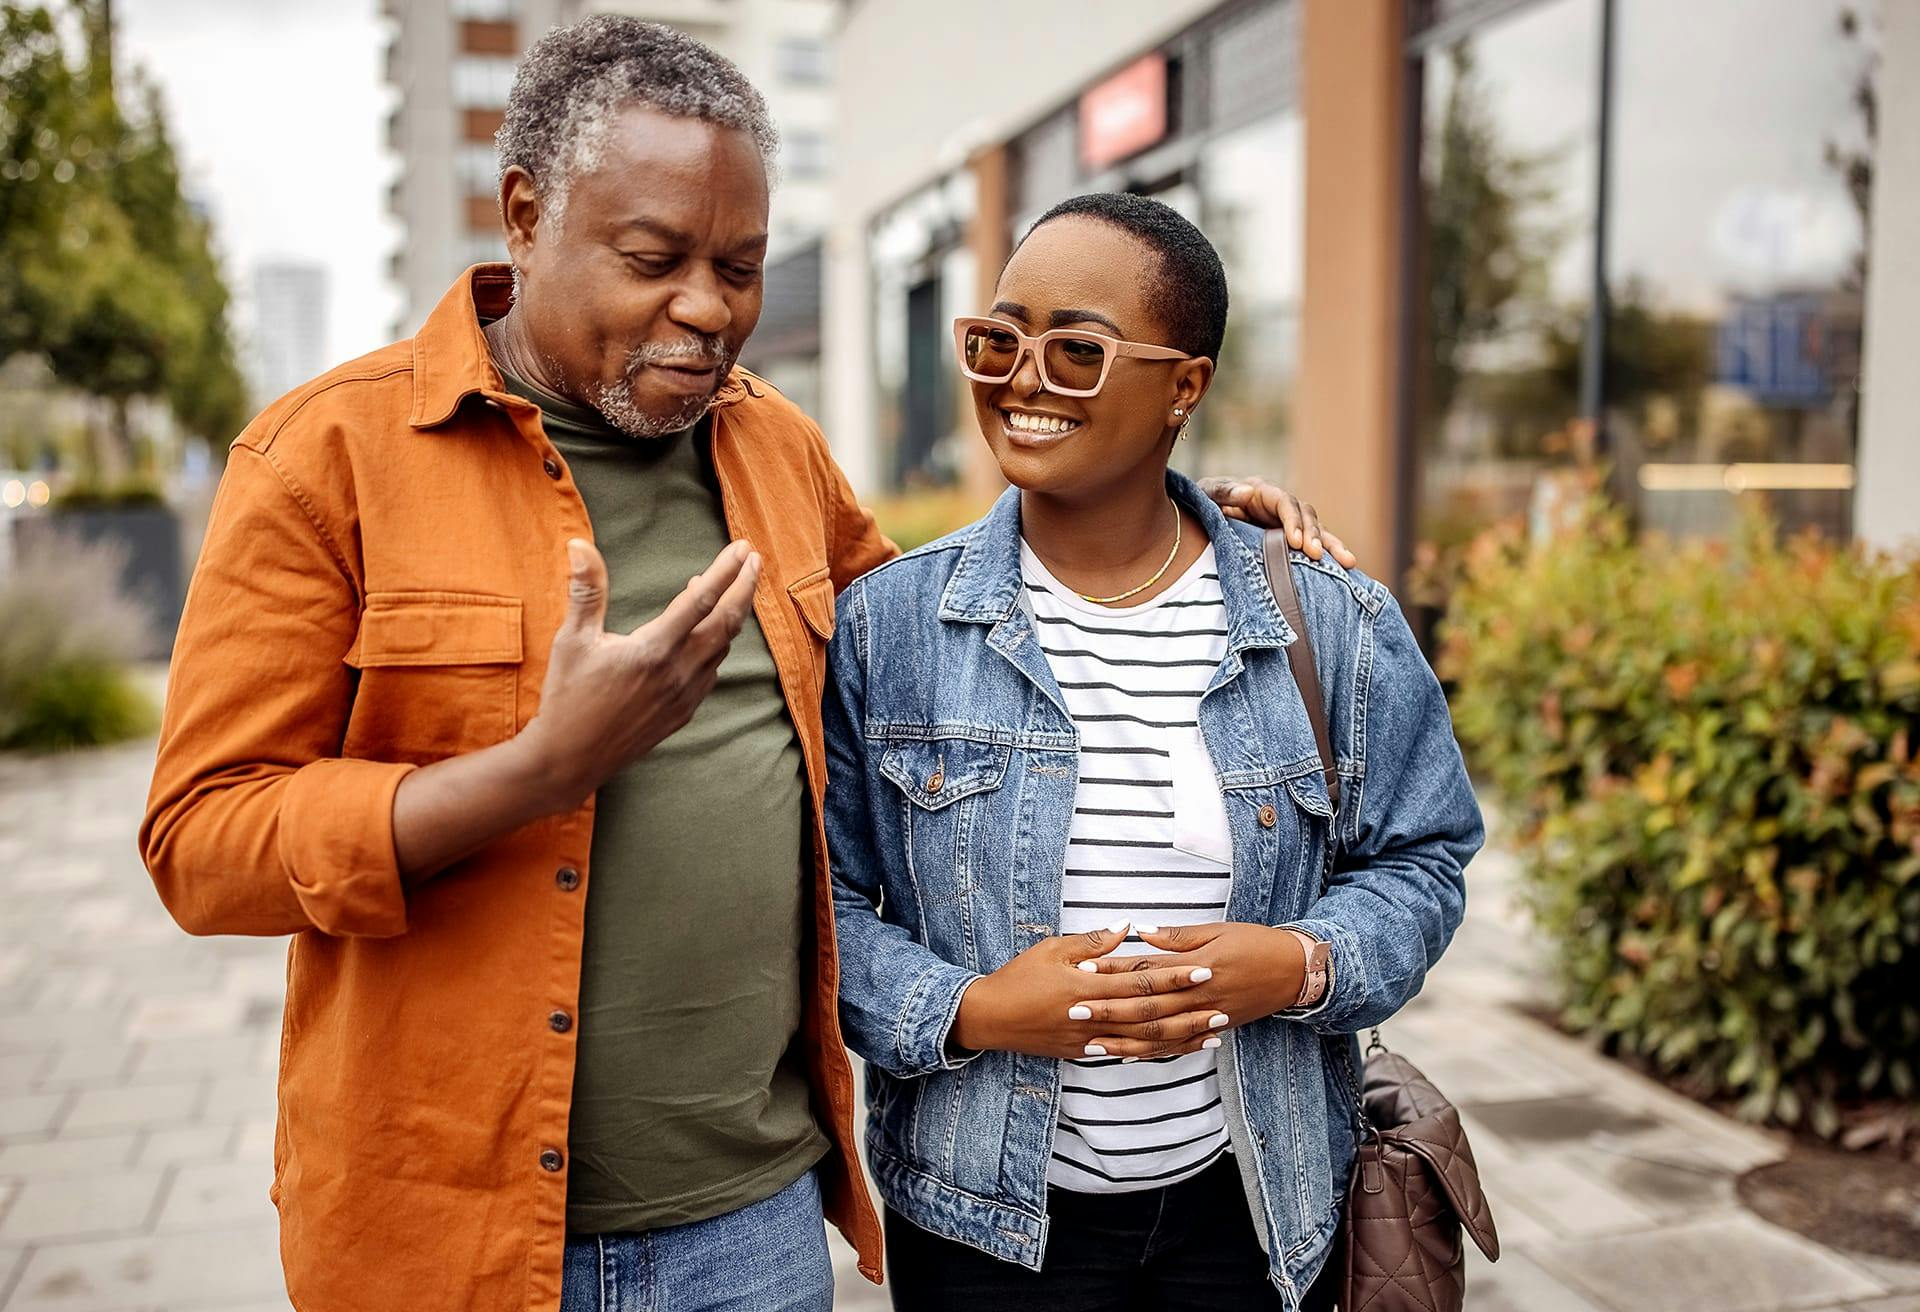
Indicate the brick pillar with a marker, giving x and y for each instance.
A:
(1345, 451)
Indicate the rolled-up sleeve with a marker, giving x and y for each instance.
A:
(1411, 825)
(255, 824)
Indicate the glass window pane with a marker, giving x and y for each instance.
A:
(1252, 187)
(1506, 198)
(1736, 258)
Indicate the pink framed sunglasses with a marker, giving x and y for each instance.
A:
(1072, 361)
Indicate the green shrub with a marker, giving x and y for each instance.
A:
(1712, 756)
(66, 637)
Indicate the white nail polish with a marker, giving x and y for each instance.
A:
(1079, 1011)
(1117, 927)
(1218, 1021)
(1201, 974)
(1148, 929)
(1211, 1041)
(1088, 966)
(1095, 1050)
(1128, 1061)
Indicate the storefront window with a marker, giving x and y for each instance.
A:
(1250, 188)
(1506, 205)
(1736, 261)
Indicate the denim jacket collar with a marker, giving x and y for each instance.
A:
(985, 586)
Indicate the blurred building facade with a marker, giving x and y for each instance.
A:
(452, 62)
(289, 340)
(1482, 253)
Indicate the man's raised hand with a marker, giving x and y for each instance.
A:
(610, 698)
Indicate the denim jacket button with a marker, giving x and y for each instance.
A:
(934, 780)
(1268, 816)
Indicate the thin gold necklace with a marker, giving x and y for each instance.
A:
(1158, 574)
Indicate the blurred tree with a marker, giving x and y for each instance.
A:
(104, 267)
(1487, 247)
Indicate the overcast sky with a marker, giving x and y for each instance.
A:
(278, 109)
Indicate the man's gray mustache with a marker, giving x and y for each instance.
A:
(687, 353)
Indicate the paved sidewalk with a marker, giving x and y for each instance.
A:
(136, 1107)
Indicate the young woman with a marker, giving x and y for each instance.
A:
(1103, 938)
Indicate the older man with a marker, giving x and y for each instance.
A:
(399, 730)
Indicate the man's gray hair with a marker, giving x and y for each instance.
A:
(574, 81)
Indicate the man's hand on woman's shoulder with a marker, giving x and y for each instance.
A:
(1260, 502)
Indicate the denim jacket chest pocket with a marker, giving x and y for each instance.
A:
(946, 786)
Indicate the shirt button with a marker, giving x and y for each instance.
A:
(1268, 816)
(552, 467)
(550, 1159)
(559, 1022)
(567, 878)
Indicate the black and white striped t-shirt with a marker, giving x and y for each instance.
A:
(1149, 844)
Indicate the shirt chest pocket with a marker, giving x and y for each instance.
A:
(438, 675)
(944, 786)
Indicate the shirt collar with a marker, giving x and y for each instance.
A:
(985, 585)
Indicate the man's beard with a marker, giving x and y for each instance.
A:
(615, 401)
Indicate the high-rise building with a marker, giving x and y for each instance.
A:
(453, 61)
(289, 343)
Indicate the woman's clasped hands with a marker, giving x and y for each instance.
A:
(1067, 997)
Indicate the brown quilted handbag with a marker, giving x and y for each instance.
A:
(1414, 1187)
(1414, 1183)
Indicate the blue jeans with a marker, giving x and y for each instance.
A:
(770, 1256)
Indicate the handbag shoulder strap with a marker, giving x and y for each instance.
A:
(1300, 655)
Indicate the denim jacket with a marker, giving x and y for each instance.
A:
(953, 764)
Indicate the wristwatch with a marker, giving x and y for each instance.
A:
(1319, 963)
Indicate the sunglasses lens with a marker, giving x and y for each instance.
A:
(989, 351)
(1075, 363)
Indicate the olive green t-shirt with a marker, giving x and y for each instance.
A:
(690, 1096)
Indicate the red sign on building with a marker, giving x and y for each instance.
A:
(1125, 114)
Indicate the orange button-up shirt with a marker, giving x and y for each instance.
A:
(380, 583)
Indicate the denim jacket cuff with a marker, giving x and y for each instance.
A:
(1346, 993)
(926, 1021)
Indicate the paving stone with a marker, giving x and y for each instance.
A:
(256, 1139)
(187, 1016)
(1572, 1202)
(1901, 1277)
(64, 1154)
(211, 1196)
(30, 1113)
(1517, 1284)
(11, 1260)
(88, 1065)
(181, 1145)
(1733, 1264)
(39, 1025)
(20, 1067)
(81, 1206)
(226, 1054)
(195, 1270)
(234, 1097)
(80, 988)
(135, 1106)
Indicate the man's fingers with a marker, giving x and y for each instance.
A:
(1082, 949)
(1341, 551)
(723, 624)
(698, 599)
(586, 589)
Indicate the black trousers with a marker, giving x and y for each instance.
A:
(1190, 1245)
